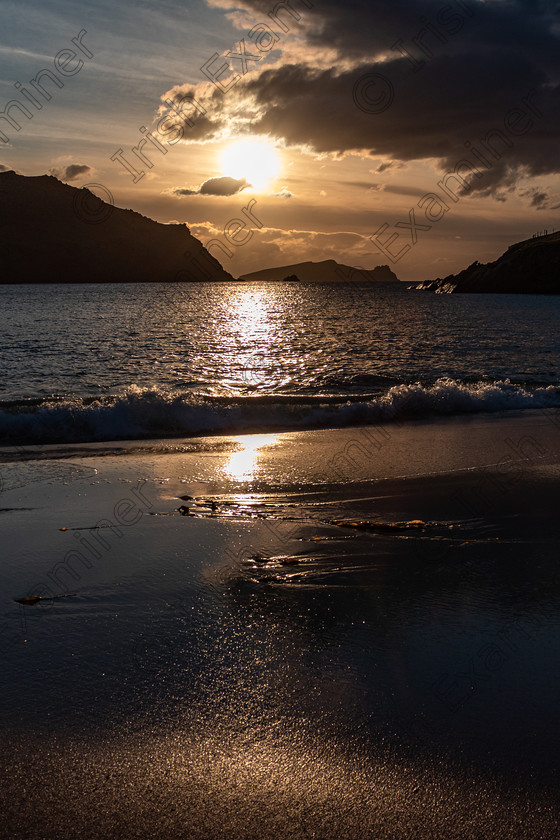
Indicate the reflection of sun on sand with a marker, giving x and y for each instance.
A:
(242, 463)
(237, 668)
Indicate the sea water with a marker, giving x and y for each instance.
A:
(260, 670)
(109, 362)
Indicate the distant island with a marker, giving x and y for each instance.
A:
(51, 232)
(326, 271)
(531, 267)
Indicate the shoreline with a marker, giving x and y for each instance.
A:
(368, 452)
(307, 648)
(146, 414)
(487, 481)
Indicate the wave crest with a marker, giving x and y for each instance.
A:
(140, 414)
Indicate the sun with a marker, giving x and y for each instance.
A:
(255, 160)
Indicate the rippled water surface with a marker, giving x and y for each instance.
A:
(103, 362)
(235, 338)
(334, 650)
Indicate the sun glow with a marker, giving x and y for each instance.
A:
(243, 463)
(255, 160)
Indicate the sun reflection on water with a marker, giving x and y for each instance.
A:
(249, 310)
(252, 340)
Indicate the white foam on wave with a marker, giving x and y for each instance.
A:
(141, 414)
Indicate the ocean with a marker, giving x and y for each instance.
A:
(85, 363)
(278, 561)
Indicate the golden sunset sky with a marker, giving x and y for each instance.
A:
(343, 122)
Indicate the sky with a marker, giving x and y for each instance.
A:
(418, 134)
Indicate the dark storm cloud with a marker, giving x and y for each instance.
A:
(446, 75)
(223, 186)
(362, 29)
(433, 115)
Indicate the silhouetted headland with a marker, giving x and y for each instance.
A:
(54, 233)
(531, 267)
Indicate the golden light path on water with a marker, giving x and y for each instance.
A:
(249, 314)
(249, 327)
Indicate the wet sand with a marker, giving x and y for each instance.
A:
(360, 641)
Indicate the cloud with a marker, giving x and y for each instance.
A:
(71, 172)
(284, 193)
(223, 186)
(539, 200)
(481, 70)
(361, 29)
(271, 247)
(391, 164)
(388, 188)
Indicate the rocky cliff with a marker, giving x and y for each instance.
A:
(531, 267)
(51, 232)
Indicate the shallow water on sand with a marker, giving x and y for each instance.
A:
(269, 667)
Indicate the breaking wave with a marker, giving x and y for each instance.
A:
(141, 414)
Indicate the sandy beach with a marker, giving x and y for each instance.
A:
(343, 647)
(279, 420)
